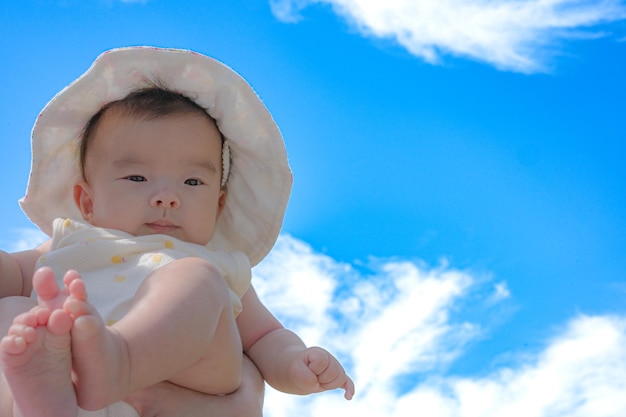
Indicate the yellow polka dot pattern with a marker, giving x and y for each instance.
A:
(117, 259)
(119, 278)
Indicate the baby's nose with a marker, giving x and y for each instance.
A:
(165, 199)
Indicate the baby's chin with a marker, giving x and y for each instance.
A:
(175, 232)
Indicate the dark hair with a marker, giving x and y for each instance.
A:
(146, 103)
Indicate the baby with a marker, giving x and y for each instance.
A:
(161, 178)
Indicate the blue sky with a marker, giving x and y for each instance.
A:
(457, 227)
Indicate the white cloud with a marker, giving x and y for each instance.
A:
(508, 34)
(500, 292)
(582, 372)
(23, 239)
(400, 321)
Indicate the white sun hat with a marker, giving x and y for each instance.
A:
(260, 179)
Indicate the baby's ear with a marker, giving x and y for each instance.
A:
(221, 202)
(83, 200)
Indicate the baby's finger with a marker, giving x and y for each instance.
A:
(302, 373)
(317, 360)
(349, 388)
(332, 379)
(330, 373)
(341, 381)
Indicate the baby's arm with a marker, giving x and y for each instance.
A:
(281, 356)
(16, 271)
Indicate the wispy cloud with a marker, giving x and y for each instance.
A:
(508, 34)
(22, 239)
(399, 325)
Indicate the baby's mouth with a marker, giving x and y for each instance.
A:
(162, 227)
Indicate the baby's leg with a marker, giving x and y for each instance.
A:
(35, 356)
(10, 308)
(181, 319)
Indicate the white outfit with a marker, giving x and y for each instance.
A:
(113, 264)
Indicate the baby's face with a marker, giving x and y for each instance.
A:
(159, 176)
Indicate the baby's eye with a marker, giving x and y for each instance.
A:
(193, 181)
(136, 178)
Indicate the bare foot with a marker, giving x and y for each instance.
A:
(36, 361)
(99, 355)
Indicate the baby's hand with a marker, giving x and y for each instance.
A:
(316, 370)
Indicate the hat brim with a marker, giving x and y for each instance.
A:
(260, 179)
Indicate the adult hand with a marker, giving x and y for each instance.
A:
(168, 400)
